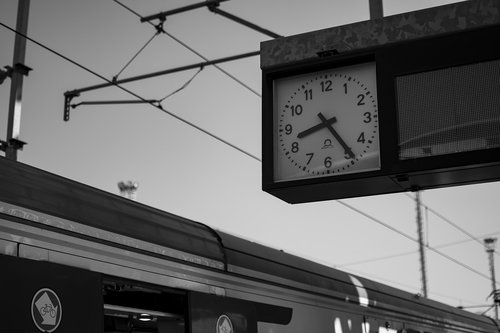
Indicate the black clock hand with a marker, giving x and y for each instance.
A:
(316, 127)
(347, 149)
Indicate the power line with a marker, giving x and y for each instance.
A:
(159, 107)
(413, 239)
(366, 261)
(454, 225)
(221, 140)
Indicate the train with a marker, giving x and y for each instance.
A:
(78, 259)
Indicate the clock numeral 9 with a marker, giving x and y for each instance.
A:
(295, 147)
(296, 110)
(288, 129)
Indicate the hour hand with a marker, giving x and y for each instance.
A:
(316, 127)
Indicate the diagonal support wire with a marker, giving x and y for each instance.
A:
(135, 55)
(182, 87)
(234, 78)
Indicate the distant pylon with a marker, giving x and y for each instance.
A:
(128, 189)
(421, 245)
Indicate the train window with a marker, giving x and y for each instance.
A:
(131, 307)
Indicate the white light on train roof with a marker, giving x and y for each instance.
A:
(145, 317)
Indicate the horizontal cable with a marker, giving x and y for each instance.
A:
(447, 220)
(111, 83)
(413, 239)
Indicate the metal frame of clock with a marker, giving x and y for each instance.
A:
(405, 116)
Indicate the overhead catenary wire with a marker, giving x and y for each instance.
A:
(181, 87)
(110, 82)
(372, 218)
(192, 50)
(403, 254)
(450, 222)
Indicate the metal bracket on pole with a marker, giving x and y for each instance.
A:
(214, 8)
(14, 144)
(68, 97)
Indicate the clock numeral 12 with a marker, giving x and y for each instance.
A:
(326, 85)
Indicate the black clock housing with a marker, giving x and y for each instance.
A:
(439, 117)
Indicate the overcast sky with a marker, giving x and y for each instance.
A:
(182, 170)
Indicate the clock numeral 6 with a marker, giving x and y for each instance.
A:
(328, 162)
(296, 110)
(295, 147)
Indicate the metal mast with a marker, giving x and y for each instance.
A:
(489, 243)
(19, 70)
(421, 245)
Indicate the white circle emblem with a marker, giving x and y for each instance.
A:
(46, 310)
(224, 325)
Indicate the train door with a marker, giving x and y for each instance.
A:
(216, 314)
(40, 296)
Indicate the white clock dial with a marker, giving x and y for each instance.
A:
(326, 123)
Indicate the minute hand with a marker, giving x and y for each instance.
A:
(347, 149)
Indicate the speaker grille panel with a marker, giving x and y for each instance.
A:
(451, 110)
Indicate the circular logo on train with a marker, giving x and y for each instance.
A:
(46, 310)
(224, 325)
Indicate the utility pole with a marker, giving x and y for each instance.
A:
(489, 243)
(18, 71)
(376, 9)
(421, 245)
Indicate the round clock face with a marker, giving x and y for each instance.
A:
(326, 123)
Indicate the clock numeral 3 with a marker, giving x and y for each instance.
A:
(368, 117)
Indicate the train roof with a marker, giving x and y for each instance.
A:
(37, 190)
